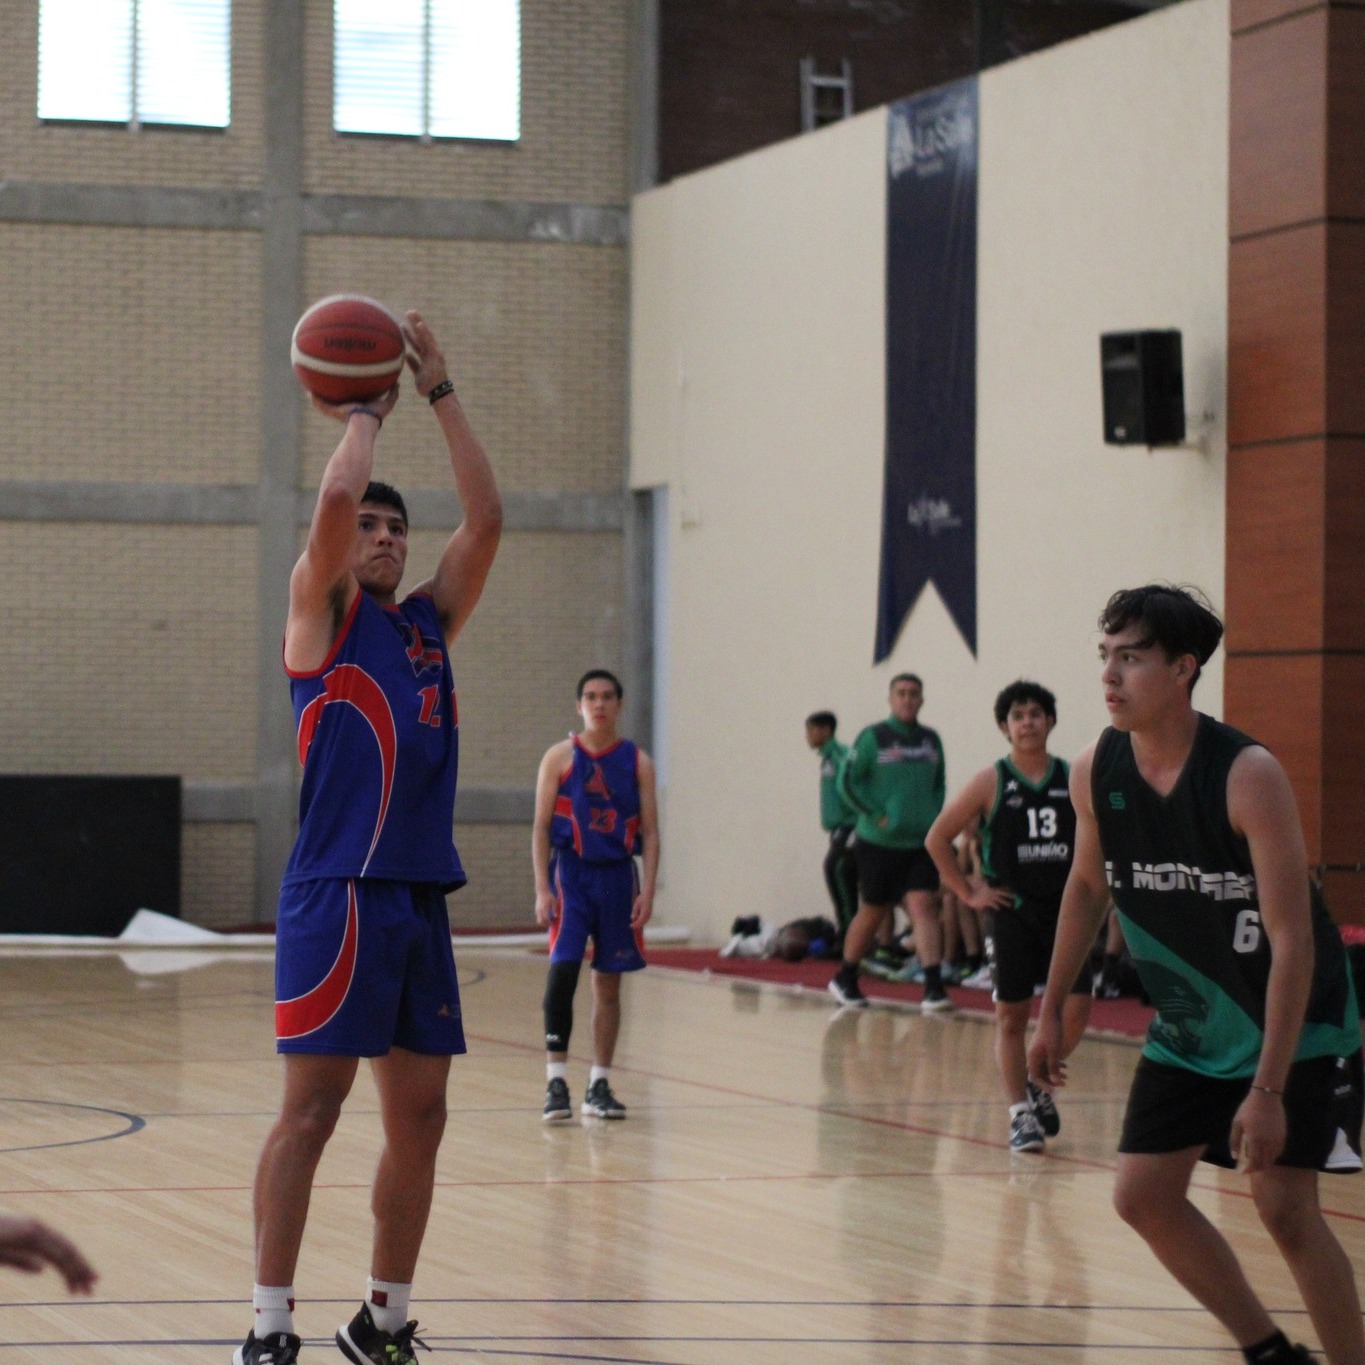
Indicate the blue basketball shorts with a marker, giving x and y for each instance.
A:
(594, 900)
(362, 966)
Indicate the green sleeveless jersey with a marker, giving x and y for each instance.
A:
(1186, 893)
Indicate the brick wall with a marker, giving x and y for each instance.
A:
(137, 359)
(535, 335)
(729, 77)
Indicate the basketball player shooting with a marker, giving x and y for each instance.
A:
(364, 966)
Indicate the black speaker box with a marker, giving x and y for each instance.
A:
(1144, 388)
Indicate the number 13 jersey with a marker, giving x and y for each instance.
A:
(597, 811)
(1027, 840)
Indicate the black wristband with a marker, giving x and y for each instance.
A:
(369, 412)
(440, 390)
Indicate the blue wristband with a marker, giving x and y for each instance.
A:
(369, 412)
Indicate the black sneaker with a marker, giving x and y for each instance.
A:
(558, 1106)
(1106, 987)
(365, 1344)
(846, 991)
(279, 1348)
(601, 1103)
(1044, 1110)
(936, 1001)
(1026, 1133)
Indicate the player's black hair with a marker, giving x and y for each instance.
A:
(1021, 691)
(599, 673)
(1178, 618)
(386, 495)
(825, 719)
(907, 677)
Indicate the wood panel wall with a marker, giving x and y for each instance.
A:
(1296, 413)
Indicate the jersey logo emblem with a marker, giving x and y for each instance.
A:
(1116, 801)
(597, 784)
(420, 654)
(1011, 785)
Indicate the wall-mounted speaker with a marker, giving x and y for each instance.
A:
(1144, 388)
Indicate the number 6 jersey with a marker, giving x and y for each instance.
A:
(1184, 885)
(378, 735)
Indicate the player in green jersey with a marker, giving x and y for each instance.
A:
(894, 778)
(837, 819)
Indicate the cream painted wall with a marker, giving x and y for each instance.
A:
(757, 399)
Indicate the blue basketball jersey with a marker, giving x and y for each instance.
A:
(597, 811)
(378, 735)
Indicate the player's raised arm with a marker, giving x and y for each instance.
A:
(553, 766)
(972, 802)
(1084, 902)
(458, 581)
(322, 586)
(1262, 809)
(643, 907)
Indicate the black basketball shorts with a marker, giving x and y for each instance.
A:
(1023, 935)
(885, 875)
(1170, 1109)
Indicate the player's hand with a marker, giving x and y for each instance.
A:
(424, 356)
(28, 1244)
(545, 908)
(341, 412)
(987, 897)
(1046, 1066)
(641, 910)
(1258, 1130)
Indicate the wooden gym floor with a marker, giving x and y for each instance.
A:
(794, 1184)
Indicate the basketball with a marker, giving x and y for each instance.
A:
(347, 348)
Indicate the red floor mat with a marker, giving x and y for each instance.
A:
(1127, 1017)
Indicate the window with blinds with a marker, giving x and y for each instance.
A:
(428, 68)
(135, 61)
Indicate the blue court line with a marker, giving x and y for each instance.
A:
(134, 1124)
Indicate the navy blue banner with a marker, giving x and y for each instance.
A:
(929, 505)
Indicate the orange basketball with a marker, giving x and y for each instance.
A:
(347, 349)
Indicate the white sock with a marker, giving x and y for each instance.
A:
(1021, 1108)
(556, 1071)
(388, 1304)
(598, 1073)
(274, 1309)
